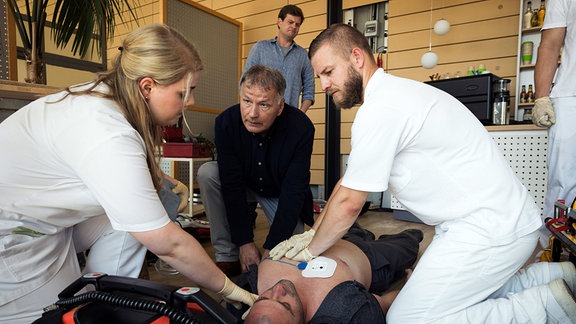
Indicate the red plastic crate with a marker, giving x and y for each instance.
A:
(186, 150)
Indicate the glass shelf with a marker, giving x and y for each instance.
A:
(531, 30)
(526, 104)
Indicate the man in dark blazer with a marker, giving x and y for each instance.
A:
(264, 152)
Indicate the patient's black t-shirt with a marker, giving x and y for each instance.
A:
(349, 302)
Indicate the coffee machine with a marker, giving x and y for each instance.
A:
(501, 105)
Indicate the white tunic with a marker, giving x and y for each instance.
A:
(439, 162)
(61, 163)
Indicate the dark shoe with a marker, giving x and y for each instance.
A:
(415, 233)
(230, 268)
(359, 231)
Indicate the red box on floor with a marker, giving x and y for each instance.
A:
(186, 150)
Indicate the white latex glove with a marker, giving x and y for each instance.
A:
(183, 193)
(235, 295)
(292, 246)
(302, 256)
(543, 112)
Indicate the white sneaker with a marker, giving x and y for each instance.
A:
(561, 309)
(569, 276)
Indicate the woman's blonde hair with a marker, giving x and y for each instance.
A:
(156, 51)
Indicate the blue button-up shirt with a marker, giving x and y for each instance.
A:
(295, 67)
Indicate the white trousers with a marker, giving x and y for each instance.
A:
(456, 282)
(561, 159)
(112, 252)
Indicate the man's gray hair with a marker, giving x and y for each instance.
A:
(265, 77)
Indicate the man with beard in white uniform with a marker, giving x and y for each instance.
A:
(439, 161)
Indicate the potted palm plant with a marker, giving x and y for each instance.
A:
(83, 21)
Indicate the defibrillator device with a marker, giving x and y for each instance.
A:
(116, 299)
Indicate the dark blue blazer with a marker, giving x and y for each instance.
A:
(276, 165)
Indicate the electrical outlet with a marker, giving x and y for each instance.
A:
(371, 28)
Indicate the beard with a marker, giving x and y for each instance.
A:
(352, 92)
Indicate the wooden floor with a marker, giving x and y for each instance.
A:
(378, 221)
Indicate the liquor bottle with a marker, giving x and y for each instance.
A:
(527, 114)
(541, 13)
(523, 94)
(530, 94)
(534, 21)
(528, 15)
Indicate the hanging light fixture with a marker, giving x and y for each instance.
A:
(429, 60)
(442, 27)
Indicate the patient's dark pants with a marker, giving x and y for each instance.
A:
(389, 255)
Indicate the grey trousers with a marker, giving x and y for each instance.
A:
(213, 201)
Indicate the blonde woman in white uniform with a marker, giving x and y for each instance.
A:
(78, 172)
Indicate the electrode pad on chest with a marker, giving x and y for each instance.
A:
(320, 267)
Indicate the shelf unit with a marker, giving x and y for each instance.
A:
(525, 72)
(185, 173)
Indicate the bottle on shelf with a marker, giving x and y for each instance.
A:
(534, 20)
(530, 94)
(523, 94)
(527, 115)
(481, 68)
(527, 22)
(541, 13)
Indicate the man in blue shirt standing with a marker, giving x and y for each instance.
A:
(264, 148)
(283, 54)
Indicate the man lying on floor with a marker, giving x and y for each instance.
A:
(342, 285)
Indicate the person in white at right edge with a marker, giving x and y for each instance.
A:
(555, 105)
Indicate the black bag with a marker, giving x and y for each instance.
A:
(118, 299)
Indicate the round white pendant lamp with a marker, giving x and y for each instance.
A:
(429, 60)
(442, 27)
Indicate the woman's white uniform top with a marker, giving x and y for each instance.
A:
(63, 162)
(439, 162)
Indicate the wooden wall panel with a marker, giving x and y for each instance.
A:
(320, 131)
(316, 115)
(317, 162)
(409, 16)
(349, 4)
(247, 8)
(317, 176)
(476, 51)
(463, 33)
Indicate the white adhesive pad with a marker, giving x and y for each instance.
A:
(320, 267)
